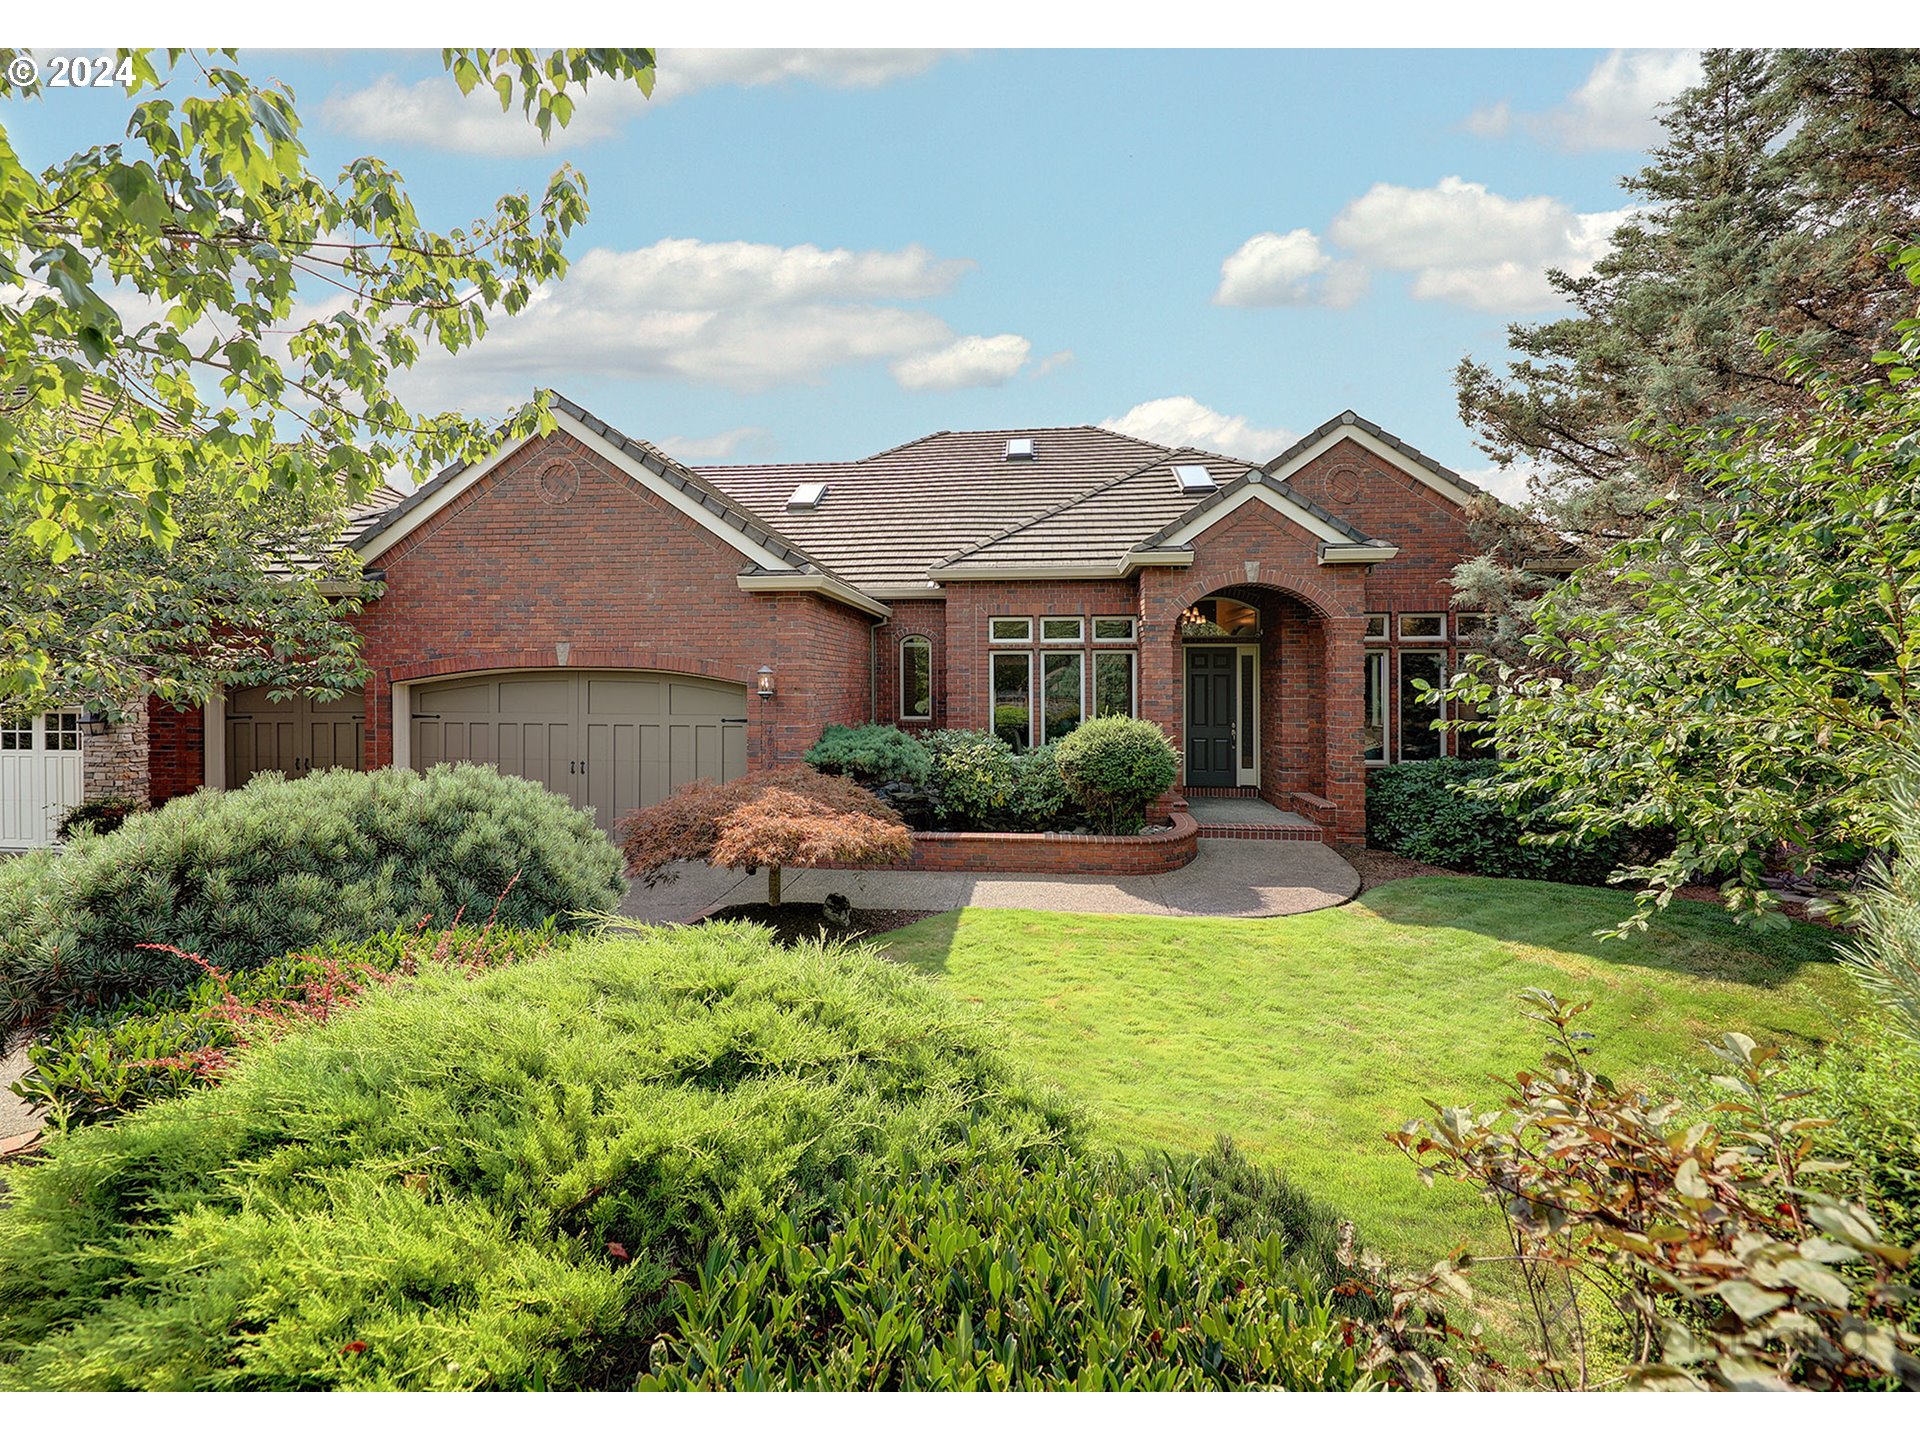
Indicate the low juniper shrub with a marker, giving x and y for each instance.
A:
(871, 754)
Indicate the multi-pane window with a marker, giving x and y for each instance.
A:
(16, 734)
(1113, 687)
(1375, 707)
(916, 678)
(1060, 684)
(1420, 713)
(1010, 630)
(63, 731)
(1062, 630)
(1113, 629)
(1013, 698)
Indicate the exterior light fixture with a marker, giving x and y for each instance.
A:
(95, 721)
(766, 682)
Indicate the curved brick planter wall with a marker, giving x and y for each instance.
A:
(1057, 854)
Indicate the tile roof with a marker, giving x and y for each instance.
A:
(1348, 417)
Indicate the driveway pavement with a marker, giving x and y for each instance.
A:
(1239, 878)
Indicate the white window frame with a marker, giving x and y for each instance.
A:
(1383, 696)
(908, 642)
(1079, 623)
(993, 691)
(1483, 626)
(1376, 631)
(993, 621)
(1132, 657)
(1040, 708)
(1400, 628)
(1132, 624)
(1399, 710)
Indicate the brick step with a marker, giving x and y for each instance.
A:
(1213, 831)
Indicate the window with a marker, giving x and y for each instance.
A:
(1472, 626)
(916, 678)
(1002, 630)
(1423, 627)
(1374, 720)
(63, 731)
(1060, 683)
(1376, 627)
(1249, 730)
(1013, 699)
(1419, 739)
(1112, 629)
(1062, 630)
(16, 734)
(1113, 683)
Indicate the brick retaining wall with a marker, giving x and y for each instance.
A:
(1056, 854)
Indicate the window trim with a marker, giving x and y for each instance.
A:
(1400, 626)
(1132, 657)
(1375, 617)
(993, 691)
(1079, 636)
(1131, 637)
(1399, 687)
(909, 642)
(1026, 639)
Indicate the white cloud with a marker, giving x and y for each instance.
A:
(1289, 269)
(433, 113)
(970, 361)
(1615, 108)
(1465, 244)
(742, 315)
(723, 446)
(1509, 482)
(1181, 420)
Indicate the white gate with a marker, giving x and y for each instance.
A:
(40, 777)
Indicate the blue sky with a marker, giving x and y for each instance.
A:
(814, 255)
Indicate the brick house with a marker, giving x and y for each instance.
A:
(583, 610)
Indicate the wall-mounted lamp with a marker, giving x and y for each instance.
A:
(766, 682)
(95, 721)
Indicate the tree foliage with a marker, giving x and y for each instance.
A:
(788, 816)
(1722, 1246)
(239, 318)
(1753, 665)
(1784, 178)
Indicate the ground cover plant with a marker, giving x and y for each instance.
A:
(240, 877)
(1309, 1038)
(96, 1065)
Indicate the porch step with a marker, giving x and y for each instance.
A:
(1228, 831)
(1239, 817)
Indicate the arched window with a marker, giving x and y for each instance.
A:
(916, 678)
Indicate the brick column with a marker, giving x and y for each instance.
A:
(1342, 691)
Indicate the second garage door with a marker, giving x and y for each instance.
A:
(609, 740)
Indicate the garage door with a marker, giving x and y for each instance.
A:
(40, 777)
(608, 740)
(292, 736)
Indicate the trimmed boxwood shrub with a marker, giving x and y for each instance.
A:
(871, 754)
(486, 1182)
(241, 877)
(1419, 810)
(1114, 768)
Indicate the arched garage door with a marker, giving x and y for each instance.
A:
(294, 736)
(610, 740)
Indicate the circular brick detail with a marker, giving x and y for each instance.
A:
(1343, 483)
(557, 483)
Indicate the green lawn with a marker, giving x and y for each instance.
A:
(1308, 1038)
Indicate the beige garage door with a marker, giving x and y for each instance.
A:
(292, 736)
(611, 741)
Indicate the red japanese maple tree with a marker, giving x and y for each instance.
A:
(790, 816)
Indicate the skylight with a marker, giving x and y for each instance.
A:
(808, 496)
(1194, 480)
(1020, 449)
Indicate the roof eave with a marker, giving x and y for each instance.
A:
(811, 582)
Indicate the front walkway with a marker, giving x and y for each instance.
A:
(1239, 878)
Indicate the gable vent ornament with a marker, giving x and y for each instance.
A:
(557, 482)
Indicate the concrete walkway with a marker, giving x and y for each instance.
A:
(17, 1122)
(1240, 878)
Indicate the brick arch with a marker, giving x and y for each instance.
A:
(1291, 580)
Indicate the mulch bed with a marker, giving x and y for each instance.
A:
(1377, 867)
(800, 920)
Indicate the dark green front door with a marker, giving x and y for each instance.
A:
(1210, 709)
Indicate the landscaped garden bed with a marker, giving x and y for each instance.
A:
(1154, 851)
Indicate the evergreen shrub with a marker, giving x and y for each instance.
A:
(1114, 768)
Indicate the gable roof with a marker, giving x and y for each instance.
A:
(1348, 425)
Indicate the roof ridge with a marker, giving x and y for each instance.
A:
(1386, 437)
(1166, 457)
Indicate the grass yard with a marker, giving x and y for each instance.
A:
(1307, 1038)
